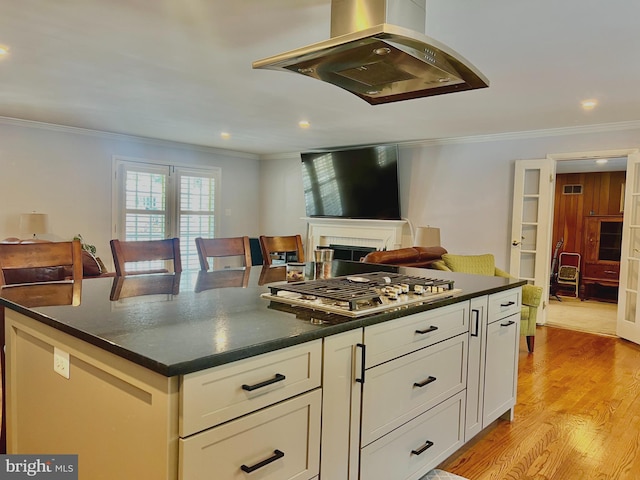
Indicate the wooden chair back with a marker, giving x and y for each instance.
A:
(223, 247)
(145, 251)
(67, 255)
(274, 245)
(222, 279)
(270, 274)
(34, 256)
(139, 285)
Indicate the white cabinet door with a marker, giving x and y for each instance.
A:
(410, 451)
(501, 370)
(341, 406)
(281, 442)
(388, 340)
(475, 370)
(397, 391)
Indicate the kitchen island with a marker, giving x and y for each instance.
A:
(206, 380)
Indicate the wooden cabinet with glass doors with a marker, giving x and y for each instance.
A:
(601, 260)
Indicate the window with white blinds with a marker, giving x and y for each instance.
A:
(161, 201)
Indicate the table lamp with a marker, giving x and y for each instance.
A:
(34, 224)
(427, 237)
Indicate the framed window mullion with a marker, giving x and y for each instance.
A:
(198, 193)
(154, 201)
(141, 201)
(173, 224)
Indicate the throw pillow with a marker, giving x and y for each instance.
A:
(90, 266)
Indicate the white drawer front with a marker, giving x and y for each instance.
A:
(501, 377)
(503, 304)
(281, 442)
(392, 394)
(392, 339)
(216, 395)
(412, 450)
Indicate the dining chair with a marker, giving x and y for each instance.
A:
(271, 274)
(273, 247)
(149, 251)
(224, 278)
(140, 285)
(66, 256)
(223, 247)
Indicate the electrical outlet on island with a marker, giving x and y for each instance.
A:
(61, 362)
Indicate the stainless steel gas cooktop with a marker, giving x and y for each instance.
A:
(364, 294)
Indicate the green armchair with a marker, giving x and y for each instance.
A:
(485, 265)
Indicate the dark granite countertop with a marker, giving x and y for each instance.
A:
(208, 323)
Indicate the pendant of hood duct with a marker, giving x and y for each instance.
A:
(372, 56)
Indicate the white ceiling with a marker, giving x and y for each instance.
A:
(180, 70)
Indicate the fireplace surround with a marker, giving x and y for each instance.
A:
(377, 234)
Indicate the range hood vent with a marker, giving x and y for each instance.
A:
(376, 52)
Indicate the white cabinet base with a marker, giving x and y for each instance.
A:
(410, 451)
(281, 442)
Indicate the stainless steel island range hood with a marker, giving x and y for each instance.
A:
(377, 53)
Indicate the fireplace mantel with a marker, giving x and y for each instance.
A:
(379, 234)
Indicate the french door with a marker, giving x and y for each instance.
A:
(533, 187)
(628, 322)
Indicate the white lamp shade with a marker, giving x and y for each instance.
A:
(427, 237)
(34, 223)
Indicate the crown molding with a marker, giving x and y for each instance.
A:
(529, 134)
(121, 136)
(500, 137)
(506, 136)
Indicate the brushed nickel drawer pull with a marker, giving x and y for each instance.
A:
(423, 448)
(426, 382)
(276, 455)
(278, 378)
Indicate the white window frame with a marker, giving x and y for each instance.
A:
(172, 207)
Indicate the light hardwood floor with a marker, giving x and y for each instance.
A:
(577, 416)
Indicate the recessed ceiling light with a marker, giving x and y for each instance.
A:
(4, 50)
(225, 135)
(602, 161)
(304, 124)
(589, 104)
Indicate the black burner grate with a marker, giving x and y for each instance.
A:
(352, 290)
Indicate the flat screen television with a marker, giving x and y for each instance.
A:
(352, 183)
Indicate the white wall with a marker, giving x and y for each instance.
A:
(66, 173)
(465, 188)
